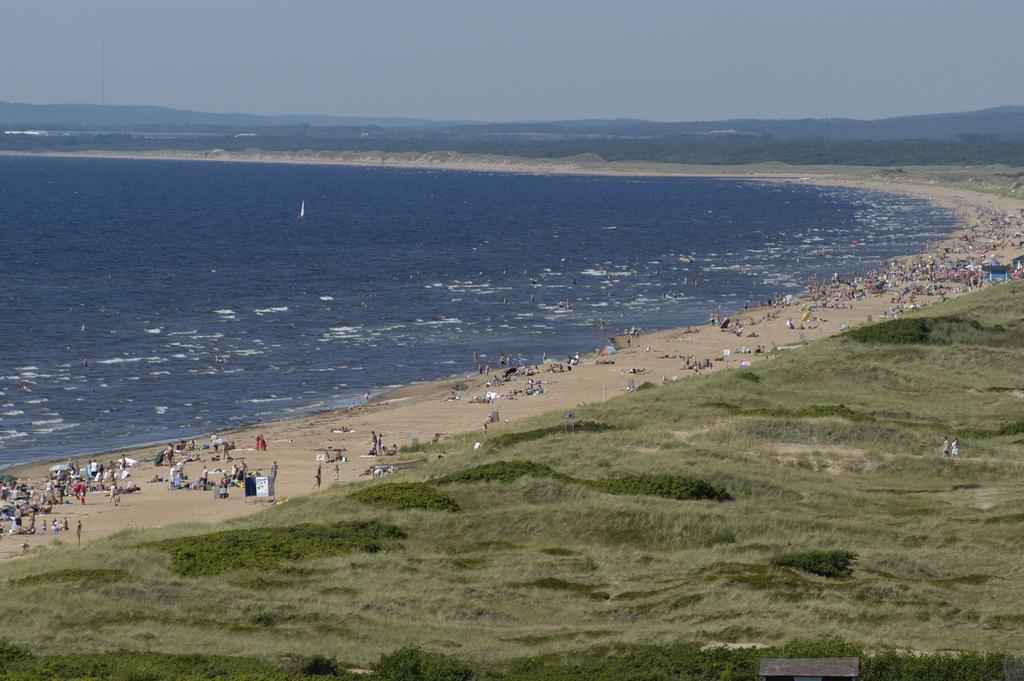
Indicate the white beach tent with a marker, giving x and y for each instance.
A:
(59, 467)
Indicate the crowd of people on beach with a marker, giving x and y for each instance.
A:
(21, 501)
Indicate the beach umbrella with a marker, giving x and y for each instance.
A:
(59, 467)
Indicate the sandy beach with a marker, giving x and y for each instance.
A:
(421, 411)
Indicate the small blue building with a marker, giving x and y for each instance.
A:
(996, 272)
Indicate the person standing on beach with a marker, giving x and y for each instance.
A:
(273, 471)
(316, 478)
(78, 532)
(337, 473)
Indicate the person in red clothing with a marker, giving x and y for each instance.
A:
(79, 490)
(261, 443)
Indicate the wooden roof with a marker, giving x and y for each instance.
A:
(811, 666)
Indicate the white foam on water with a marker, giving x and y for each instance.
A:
(28, 368)
(160, 409)
(439, 322)
(127, 360)
(13, 412)
(270, 310)
(326, 298)
(225, 311)
(156, 330)
(54, 429)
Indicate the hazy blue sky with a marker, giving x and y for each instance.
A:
(521, 59)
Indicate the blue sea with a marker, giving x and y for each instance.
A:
(199, 301)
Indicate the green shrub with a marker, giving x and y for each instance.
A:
(416, 664)
(894, 665)
(509, 439)
(667, 486)
(210, 554)
(318, 665)
(11, 653)
(811, 411)
(748, 376)
(945, 330)
(893, 332)
(403, 496)
(503, 471)
(72, 576)
(829, 564)
(138, 666)
(684, 661)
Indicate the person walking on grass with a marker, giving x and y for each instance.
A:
(954, 449)
(945, 446)
(78, 532)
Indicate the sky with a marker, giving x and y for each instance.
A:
(519, 59)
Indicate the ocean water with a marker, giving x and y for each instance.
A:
(150, 271)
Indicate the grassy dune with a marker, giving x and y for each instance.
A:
(834, 446)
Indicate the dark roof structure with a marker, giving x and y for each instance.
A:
(842, 667)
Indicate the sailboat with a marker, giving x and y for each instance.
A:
(302, 210)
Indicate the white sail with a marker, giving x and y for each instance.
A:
(302, 210)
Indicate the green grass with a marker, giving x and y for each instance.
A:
(676, 487)
(830, 564)
(573, 556)
(262, 548)
(403, 496)
(502, 471)
(73, 576)
(509, 439)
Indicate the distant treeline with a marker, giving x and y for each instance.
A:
(727, 150)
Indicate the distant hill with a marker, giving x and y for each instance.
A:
(121, 116)
(1005, 122)
(1000, 123)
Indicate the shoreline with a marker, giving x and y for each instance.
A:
(414, 410)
